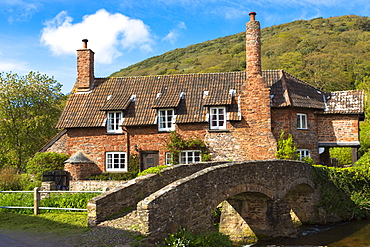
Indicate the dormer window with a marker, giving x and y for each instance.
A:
(217, 118)
(301, 121)
(166, 119)
(114, 121)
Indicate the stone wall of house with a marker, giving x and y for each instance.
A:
(338, 128)
(60, 146)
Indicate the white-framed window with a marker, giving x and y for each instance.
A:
(169, 158)
(114, 121)
(190, 156)
(217, 117)
(303, 153)
(301, 121)
(166, 119)
(116, 161)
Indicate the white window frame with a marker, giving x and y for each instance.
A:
(303, 153)
(190, 156)
(302, 121)
(116, 162)
(114, 121)
(169, 158)
(217, 118)
(166, 121)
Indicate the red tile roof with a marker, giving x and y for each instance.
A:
(190, 94)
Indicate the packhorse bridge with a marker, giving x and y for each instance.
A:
(256, 196)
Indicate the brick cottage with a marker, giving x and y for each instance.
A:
(239, 115)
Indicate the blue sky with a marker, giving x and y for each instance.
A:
(43, 35)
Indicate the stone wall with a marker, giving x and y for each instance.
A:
(190, 202)
(131, 192)
(94, 185)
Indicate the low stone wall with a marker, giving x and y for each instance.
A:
(94, 185)
(133, 191)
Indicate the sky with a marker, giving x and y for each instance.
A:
(43, 35)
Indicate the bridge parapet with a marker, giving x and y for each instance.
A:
(189, 202)
(128, 195)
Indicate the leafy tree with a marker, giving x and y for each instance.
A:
(30, 105)
(286, 148)
(45, 162)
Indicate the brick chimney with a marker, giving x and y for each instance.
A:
(253, 47)
(85, 68)
(255, 138)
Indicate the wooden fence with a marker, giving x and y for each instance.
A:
(37, 198)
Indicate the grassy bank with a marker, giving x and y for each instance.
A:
(60, 223)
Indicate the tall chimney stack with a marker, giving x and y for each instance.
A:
(253, 47)
(85, 68)
(256, 138)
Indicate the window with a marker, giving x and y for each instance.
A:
(166, 120)
(114, 122)
(116, 161)
(217, 117)
(303, 153)
(190, 156)
(169, 158)
(301, 121)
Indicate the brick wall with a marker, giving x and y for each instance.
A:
(286, 119)
(85, 69)
(338, 128)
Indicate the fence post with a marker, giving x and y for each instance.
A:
(36, 200)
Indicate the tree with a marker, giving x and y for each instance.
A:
(45, 162)
(30, 105)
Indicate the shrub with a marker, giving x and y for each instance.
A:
(344, 190)
(154, 170)
(45, 162)
(9, 179)
(184, 238)
(344, 155)
(286, 148)
(364, 160)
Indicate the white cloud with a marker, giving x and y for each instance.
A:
(175, 33)
(108, 35)
(15, 67)
(18, 10)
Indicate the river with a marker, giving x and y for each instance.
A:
(349, 234)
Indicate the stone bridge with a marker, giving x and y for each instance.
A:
(256, 196)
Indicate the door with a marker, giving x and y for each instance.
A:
(149, 159)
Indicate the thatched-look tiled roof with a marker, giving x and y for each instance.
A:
(190, 94)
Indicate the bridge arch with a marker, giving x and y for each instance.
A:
(189, 202)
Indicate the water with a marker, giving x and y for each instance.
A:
(350, 234)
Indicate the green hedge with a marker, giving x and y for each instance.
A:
(345, 190)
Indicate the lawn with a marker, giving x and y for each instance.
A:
(59, 227)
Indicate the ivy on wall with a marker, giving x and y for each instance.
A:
(177, 143)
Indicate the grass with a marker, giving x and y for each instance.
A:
(59, 224)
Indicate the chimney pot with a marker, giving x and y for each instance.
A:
(252, 16)
(84, 41)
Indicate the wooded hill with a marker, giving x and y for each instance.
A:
(331, 54)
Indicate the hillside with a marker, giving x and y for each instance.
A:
(331, 54)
